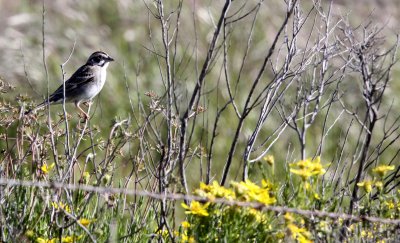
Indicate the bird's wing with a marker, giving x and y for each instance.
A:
(81, 77)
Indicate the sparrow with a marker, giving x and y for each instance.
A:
(83, 85)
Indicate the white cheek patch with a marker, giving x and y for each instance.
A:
(101, 63)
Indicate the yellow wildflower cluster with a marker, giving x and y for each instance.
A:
(367, 234)
(368, 185)
(302, 235)
(184, 235)
(66, 239)
(184, 238)
(214, 191)
(307, 168)
(71, 239)
(389, 204)
(250, 192)
(62, 206)
(244, 190)
(44, 240)
(381, 171)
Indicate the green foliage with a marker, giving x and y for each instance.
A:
(224, 222)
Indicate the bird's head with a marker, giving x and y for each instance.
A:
(99, 58)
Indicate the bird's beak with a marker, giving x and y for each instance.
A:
(110, 59)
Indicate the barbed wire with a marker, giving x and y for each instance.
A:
(177, 197)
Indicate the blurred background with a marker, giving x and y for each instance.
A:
(122, 28)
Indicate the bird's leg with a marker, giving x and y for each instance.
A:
(86, 116)
(88, 103)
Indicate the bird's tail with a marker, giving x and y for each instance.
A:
(41, 105)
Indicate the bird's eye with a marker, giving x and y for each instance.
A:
(96, 59)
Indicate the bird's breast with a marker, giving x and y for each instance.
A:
(103, 75)
(93, 89)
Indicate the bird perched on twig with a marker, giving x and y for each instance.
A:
(83, 85)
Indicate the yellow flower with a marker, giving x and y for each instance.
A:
(366, 185)
(70, 239)
(307, 168)
(220, 191)
(299, 234)
(67, 239)
(196, 208)
(389, 204)
(382, 169)
(269, 159)
(266, 184)
(42, 240)
(85, 222)
(363, 233)
(303, 239)
(264, 196)
(163, 233)
(250, 186)
(302, 164)
(214, 191)
(185, 224)
(248, 191)
(62, 206)
(186, 239)
(316, 196)
(289, 217)
(204, 191)
(366, 234)
(303, 173)
(46, 169)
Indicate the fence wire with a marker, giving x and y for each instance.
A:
(177, 197)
